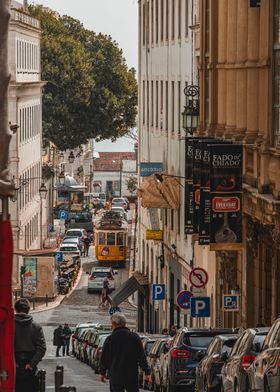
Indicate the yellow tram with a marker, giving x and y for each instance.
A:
(111, 239)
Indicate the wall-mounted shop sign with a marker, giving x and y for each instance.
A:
(149, 168)
(156, 235)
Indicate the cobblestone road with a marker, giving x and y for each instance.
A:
(78, 307)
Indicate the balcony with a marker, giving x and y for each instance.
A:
(17, 16)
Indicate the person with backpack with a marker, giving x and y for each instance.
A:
(66, 336)
(30, 347)
(58, 339)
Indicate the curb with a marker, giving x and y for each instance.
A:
(60, 298)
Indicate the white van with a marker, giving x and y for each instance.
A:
(72, 249)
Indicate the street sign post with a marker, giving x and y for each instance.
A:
(198, 277)
(114, 310)
(59, 257)
(199, 292)
(230, 303)
(183, 299)
(158, 292)
(200, 307)
(63, 215)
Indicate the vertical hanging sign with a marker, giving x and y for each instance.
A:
(205, 202)
(226, 193)
(197, 143)
(189, 201)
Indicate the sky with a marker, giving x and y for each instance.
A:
(118, 18)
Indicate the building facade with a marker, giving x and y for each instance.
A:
(239, 80)
(25, 108)
(167, 64)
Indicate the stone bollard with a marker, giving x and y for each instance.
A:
(58, 377)
(42, 380)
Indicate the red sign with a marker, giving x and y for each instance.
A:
(197, 196)
(198, 277)
(183, 299)
(226, 204)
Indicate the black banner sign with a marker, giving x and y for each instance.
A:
(226, 193)
(196, 143)
(189, 196)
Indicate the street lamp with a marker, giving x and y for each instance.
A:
(191, 111)
(71, 158)
(61, 178)
(43, 191)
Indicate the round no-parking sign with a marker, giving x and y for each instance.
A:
(183, 299)
(198, 277)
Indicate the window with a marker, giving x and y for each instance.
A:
(186, 18)
(276, 84)
(120, 239)
(101, 239)
(157, 107)
(111, 239)
(144, 24)
(166, 106)
(179, 19)
(152, 103)
(173, 106)
(157, 21)
(148, 25)
(173, 21)
(152, 21)
(167, 20)
(144, 102)
(161, 105)
(148, 103)
(162, 20)
(179, 108)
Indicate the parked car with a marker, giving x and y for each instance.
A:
(208, 372)
(79, 220)
(264, 373)
(234, 372)
(80, 343)
(97, 276)
(181, 361)
(120, 202)
(159, 347)
(121, 211)
(73, 240)
(104, 331)
(98, 351)
(72, 249)
(78, 330)
(82, 233)
(148, 342)
(84, 345)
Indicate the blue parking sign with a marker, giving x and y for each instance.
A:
(231, 302)
(158, 292)
(200, 307)
(59, 257)
(63, 215)
(114, 310)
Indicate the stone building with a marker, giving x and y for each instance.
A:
(239, 90)
(25, 107)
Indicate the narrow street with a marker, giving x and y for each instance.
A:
(79, 307)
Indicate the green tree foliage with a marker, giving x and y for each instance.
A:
(90, 92)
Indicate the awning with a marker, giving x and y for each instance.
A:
(160, 191)
(136, 282)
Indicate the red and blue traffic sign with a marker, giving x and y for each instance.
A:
(183, 299)
(198, 277)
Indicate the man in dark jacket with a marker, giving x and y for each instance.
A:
(58, 339)
(122, 354)
(30, 347)
(66, 336)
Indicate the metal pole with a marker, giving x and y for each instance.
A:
(41, 224)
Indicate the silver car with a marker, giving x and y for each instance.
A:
(97, 276)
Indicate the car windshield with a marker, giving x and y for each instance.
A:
(74, 233)
(228, 344)
(258, 339)
(149, 345)
(118, 200)
(197, 340)
(80, 217)
(99, 274)
(68, 249)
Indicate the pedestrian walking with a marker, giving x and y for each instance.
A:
(66, 336)
(172, 330)
(122, 354)
(58, 339)
(105, 297)
(87, 242)
(30, 347)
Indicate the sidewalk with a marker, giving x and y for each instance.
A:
(58, 300)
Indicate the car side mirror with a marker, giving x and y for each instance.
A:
(224, 356)
(199, 355)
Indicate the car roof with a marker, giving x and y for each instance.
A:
(217, 331)
(84, 325)
(227, 337)
(102, 269)
(75, 230)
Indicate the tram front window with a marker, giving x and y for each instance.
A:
(111, 239)
(102, 239)
(120, 239)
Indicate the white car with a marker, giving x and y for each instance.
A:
(81, 233)
(97, 276)
(120, 202)
(70, 249)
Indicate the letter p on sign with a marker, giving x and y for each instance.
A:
(200, 307)
(158, 292)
